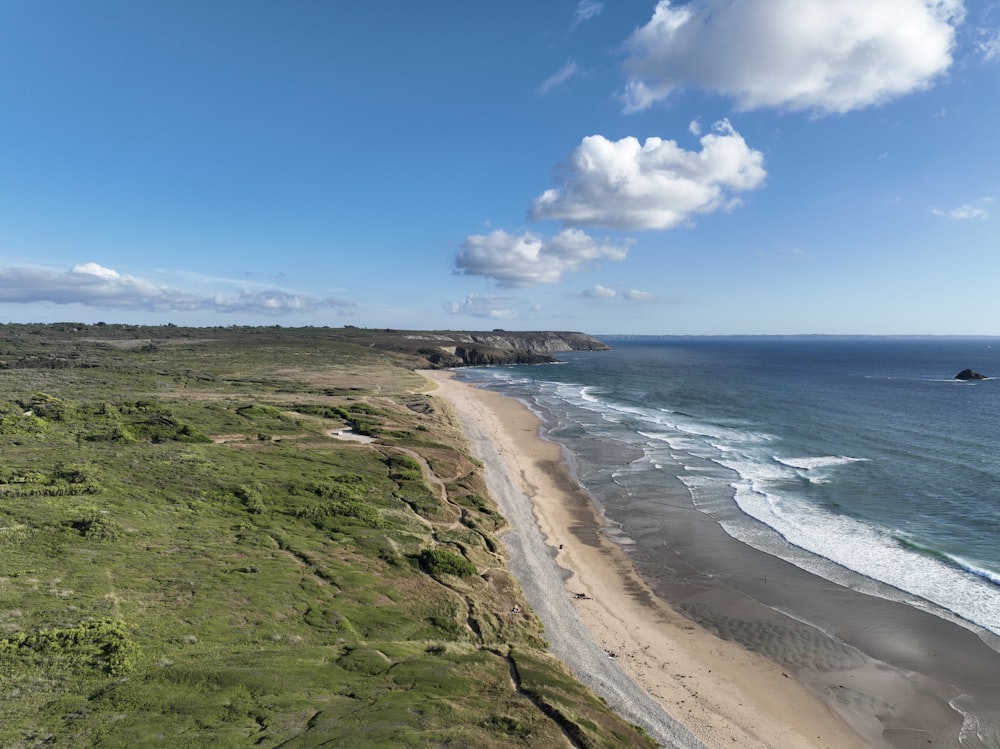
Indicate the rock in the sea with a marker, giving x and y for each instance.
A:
(968, 374)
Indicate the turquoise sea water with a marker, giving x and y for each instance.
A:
(858, 459)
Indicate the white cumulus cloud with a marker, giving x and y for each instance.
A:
(527, 259)
(827, 56)
(630, 185)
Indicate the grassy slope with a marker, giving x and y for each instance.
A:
(187, 557)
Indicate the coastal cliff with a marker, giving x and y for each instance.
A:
(413, 349)
(501, 347)
(451, 348)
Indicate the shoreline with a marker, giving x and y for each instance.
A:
(684, 684)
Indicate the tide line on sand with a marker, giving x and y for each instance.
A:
(686, 687)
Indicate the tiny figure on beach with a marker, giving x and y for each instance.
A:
(581, 596)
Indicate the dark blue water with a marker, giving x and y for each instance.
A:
(859, 459)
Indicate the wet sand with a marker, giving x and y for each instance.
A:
(690, 685)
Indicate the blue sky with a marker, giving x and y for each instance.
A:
(708, 167)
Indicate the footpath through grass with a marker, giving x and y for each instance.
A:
(189, 557)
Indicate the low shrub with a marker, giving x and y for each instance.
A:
(104, 645)
(98, 526)
(443, 561)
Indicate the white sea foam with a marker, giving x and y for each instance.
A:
(863, 549)
(763, 487)
(818, 469)
(824, 461)
(723, 461)
(992, 575)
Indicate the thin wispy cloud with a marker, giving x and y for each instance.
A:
(603, 292)
(94, 285)
(585, 10)
(636, 295)
(558, 78)
(598, 292)
(485, 305)
(989, 45)
(975, 211)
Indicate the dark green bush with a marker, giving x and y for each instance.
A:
(187, 433)
(355, 509)
(442, 561)
(98, 526)
(404, 468)
(252, 497)
(104, 645)
(22, 423)
(258, 410)
(49, 407)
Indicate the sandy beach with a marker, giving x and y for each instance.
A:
(687, 686)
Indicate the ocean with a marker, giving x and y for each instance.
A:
(859, 459)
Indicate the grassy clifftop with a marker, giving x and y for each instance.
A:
(189, 556)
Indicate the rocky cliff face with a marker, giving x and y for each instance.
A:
(457, 349)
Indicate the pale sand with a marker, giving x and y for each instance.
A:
(350, 436)
(706, 691)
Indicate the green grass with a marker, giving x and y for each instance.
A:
(188, 559)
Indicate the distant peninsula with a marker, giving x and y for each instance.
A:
(476, 349)
(418, 349)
